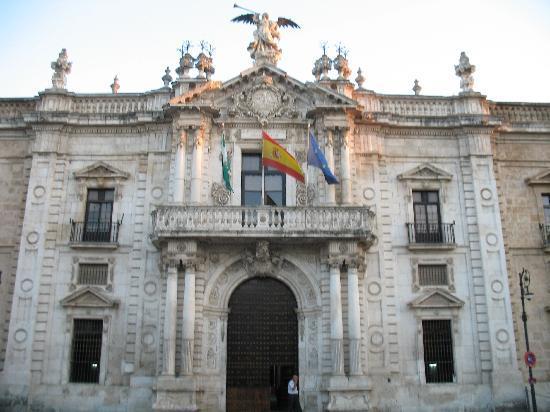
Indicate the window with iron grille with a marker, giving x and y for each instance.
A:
(92, 273)
(86, 350)
(432, 275)
(438, 351)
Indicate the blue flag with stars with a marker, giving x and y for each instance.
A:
(316, 158)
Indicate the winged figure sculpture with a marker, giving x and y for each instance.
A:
(265, 47)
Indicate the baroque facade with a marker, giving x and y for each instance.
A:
(133, 279)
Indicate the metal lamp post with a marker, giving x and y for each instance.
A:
(524, 281)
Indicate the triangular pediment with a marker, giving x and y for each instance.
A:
(542, 178)
(436, 299)
(426, 172)
(263, 92)
(89, 297)
(100, 170)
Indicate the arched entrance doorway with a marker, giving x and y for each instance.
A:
(262, 345)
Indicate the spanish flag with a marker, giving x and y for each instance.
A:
(274, 155)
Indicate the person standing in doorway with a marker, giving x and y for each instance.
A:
(293, 397)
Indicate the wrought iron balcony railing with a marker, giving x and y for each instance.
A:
(545, 233)
(94, 232)
(262, 221)
(434, 233)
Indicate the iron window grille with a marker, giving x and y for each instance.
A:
(433, 275)
(86, 350)
(438, 351)
(93, 274)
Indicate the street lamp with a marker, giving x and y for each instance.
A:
(524, 282)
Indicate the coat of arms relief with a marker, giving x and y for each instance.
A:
(264, 101)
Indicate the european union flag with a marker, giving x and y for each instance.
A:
(316, 158)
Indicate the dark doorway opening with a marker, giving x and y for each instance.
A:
(262, 346)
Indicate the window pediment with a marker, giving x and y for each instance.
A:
(437, 299)
(426, 172)
(542, 178)
(101, 170)
(89, 297)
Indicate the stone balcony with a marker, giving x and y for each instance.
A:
(226, 223)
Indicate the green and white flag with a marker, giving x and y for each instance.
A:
(226, 167)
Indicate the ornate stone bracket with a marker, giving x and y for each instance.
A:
(263, 262)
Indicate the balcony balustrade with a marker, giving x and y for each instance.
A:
(431, 233)
(264, 221)
(94, 232)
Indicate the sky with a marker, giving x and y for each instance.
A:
(393, 41)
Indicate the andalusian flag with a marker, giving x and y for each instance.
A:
(274, 155)
(226, 167)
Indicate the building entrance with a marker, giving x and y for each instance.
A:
(262, 346)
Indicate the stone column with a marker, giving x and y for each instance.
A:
(179, 169)
(345, 166)
(336, 327)
(196, 167)
(170, 320)
(354, 323)
(188, 333)
(329, 155)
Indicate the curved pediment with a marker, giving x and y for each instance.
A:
(89, 297)
(100, 170)
(542, 178)
(426, 172)
(437, 299)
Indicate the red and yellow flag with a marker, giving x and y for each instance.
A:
(274, 155)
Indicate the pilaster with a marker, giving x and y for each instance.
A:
(489, 274)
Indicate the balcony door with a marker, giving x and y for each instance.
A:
(427, 217)
(99, 211)
(261, 185)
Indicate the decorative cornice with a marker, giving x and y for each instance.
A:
(426, 172)
(437, 299)
(89, 297)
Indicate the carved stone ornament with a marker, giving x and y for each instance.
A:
(261, 263)
(304, 196)
(220, 194)
(263, 101)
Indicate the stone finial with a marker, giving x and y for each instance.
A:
(360, 79)
(205, 63)
(167, 79)
(416, 88)
(187, 62)
(464, 70)
(61, 68)
(115, 86)
(341, 64)
(322, 65)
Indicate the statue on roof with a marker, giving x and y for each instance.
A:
(265, 47)
(61, 68)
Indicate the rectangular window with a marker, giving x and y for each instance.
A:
(432, 275)
(261, 185)
(427, 218)
(438, 351)
(86, 350)
(93, 273)
(99, 210)
(546, 206)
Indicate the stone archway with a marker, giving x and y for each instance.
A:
(262, 345)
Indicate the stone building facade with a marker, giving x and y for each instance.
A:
(125, 258)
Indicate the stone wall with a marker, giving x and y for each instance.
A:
(520, 157)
